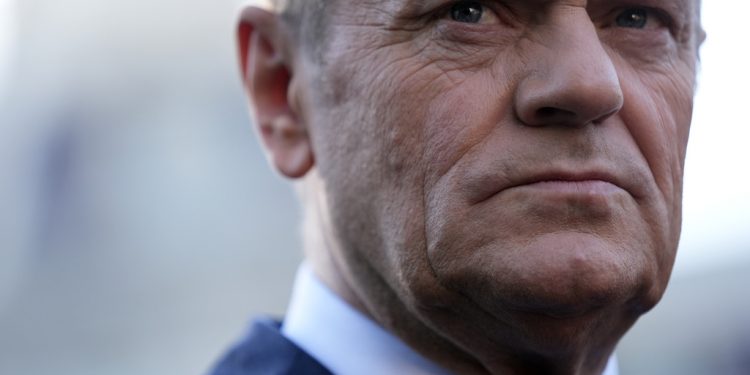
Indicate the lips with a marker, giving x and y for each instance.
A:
(560, 180)
(595, 181)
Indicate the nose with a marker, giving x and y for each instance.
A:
(570, 79)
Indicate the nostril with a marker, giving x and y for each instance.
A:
(553, 113)
(546, 112)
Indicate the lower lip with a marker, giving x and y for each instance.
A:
(585, 187)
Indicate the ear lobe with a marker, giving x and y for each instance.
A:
(267, 79)
(288, 146)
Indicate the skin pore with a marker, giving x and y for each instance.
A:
(498, 183)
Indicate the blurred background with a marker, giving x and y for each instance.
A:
(140, 228)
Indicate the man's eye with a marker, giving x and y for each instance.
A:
(636, 18)
(469, 12)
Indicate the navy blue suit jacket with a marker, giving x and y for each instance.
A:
(265, 351)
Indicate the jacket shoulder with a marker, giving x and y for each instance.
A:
(264, 350)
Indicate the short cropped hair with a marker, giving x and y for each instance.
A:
(308, 20)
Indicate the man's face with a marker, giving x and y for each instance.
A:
(505, 161)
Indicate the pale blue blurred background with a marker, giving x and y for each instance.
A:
(140, 228)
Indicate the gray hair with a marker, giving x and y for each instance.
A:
(307, 20)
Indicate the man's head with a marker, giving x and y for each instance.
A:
(498, 183)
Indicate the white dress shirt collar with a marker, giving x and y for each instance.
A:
(345, 341)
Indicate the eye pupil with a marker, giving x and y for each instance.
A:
(636, 18)
(467, 11)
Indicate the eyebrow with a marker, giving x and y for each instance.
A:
(412, 6)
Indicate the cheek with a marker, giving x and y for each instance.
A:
(370, 135)
(463, 118)
(400, 121)
(658, 113)
(415, 105)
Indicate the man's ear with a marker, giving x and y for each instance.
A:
(267, 76)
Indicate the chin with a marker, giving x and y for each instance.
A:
(557, 289)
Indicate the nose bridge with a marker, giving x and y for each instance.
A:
(577, 53)
(570, 77)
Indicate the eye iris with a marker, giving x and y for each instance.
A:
(634, 18)
(467, 11)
